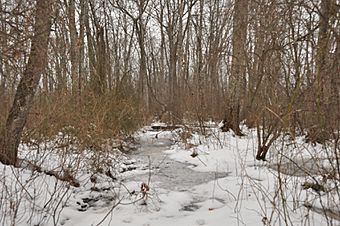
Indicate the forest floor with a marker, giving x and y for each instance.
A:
(178, 177)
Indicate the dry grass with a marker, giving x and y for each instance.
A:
(91, 119)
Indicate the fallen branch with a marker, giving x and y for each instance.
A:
(66, 176)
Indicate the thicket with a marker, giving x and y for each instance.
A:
(115, 65)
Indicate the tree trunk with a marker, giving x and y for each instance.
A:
(74, 46)
(28, 85)
(322, 75)
(237, 84)
(99, 82)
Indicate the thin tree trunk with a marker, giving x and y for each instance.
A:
(3, 44)
(81, 47)
(28, 85)
(101, 70)
(91, 53)
(74, 46)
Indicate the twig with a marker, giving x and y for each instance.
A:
(110, 211)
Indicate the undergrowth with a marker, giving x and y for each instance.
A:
(90, 119)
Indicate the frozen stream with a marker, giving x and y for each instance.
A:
(161, 173)
(166, 173)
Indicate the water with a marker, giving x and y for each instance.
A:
(166, 172)
(303, 167)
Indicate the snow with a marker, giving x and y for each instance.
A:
(249, 195)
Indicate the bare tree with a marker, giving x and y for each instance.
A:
(237, 80)
(74, 46)
(28, 84)
(139, 23)
(323, 47)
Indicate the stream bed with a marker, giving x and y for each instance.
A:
(167, 173)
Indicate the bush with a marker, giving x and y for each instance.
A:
(91, 119)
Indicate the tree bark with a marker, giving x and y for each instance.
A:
(74, 46)
(237, 84)
(28, 84)
(321, 58)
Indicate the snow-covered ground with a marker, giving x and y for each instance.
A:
(222, 184)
